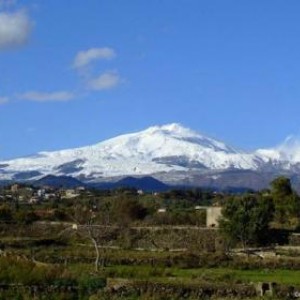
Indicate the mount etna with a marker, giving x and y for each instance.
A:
(170, 153)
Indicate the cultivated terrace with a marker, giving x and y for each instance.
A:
(84, 243)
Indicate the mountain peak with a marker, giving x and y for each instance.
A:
(173, 129)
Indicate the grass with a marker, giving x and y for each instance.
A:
(146, 271)
(285, 277)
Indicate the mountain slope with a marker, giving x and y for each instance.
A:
(58, 182)
(146, 183)
(157, 149)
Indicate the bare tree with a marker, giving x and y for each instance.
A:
(94, 225)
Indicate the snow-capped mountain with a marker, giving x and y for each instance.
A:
(156, 150)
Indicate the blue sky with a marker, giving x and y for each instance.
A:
(77, 72)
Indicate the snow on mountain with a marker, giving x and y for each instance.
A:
(286, 154)
(158, 149)
(165, 148)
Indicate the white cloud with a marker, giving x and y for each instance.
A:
(83, 58)
(105, 81)
(15, 29)
(46, 97)
(3, 100)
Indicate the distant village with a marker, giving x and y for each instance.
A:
(34, 195)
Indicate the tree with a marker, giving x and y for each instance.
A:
(281, 186)
(246, 220)
(95, 226)
(286, 201)
(128, 209)
(5, 213)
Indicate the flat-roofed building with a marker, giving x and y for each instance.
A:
(213, 214)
